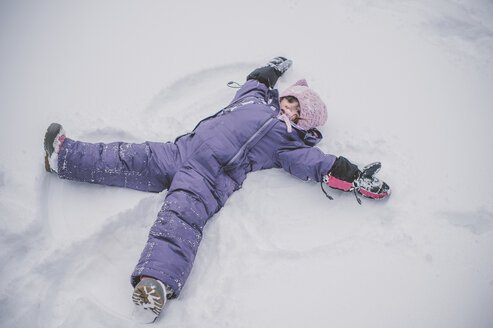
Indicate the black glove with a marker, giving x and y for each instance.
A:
(342, 174)
(280, 64)
(269, 74)
(346, 176)
(369, 186)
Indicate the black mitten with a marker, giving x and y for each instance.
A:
(346, 176)
(281, 64)
(370, 186)
(342, 174)
(269, 74)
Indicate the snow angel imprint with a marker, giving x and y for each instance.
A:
(259, 129)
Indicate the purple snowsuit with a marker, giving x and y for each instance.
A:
(201, 170)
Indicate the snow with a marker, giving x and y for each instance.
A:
(407, 83)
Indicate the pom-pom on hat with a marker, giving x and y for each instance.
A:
(313, 111)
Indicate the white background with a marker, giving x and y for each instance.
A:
(408, 83)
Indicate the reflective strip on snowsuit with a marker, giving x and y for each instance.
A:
(200, 170)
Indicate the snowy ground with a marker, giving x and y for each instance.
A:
(408, 83)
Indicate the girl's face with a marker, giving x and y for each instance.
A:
(291, 107)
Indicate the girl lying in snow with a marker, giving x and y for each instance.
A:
(258, 130)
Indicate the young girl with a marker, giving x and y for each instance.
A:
(258, 130)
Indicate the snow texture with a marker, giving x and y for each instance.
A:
(407, 83)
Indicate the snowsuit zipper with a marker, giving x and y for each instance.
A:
(243, 147)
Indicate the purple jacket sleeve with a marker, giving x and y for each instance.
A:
(252, 88)
(305, 162)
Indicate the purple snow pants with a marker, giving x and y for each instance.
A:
(192, 198)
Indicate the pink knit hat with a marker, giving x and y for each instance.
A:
(312, 109)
